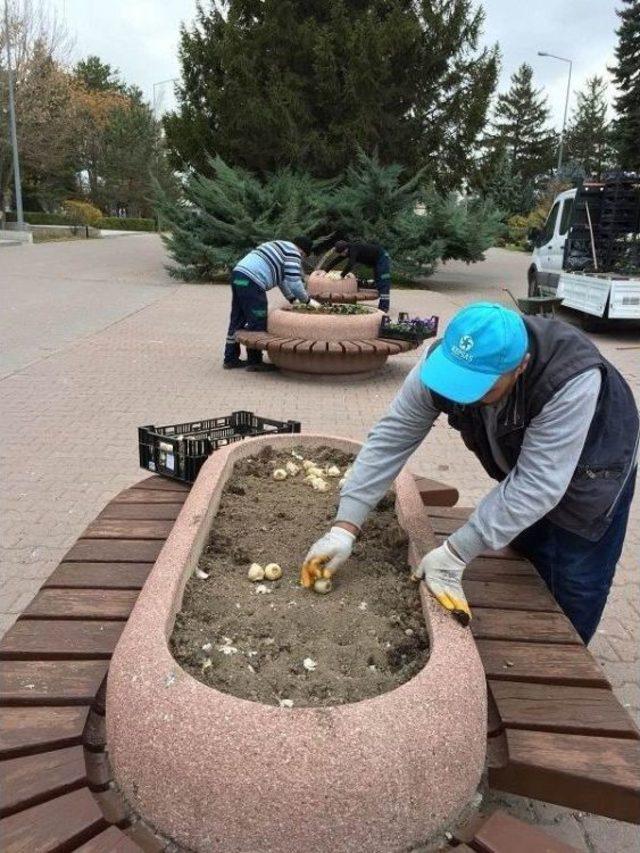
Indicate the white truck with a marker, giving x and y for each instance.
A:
(588, 252)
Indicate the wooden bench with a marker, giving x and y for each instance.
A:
(274, 343)
(555, 730)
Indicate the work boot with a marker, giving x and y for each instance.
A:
(261, 367)
(231, 365)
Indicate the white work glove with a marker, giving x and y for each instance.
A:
(326, 555)
(313, 303)
(442, 572)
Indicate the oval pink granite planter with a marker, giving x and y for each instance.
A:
(214, 772)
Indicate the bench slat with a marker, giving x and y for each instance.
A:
(112, 840)
(141, 511)
(64, 682)
(532, 662)
(163, 484)
(147, 496)
(29, 730)
(60, 639)
(99, 575)
(434, 493)
(522, 625)
(594, 774)
(559, 708)
(33, 779)
(60, 824)
(114, 551)
(484, 568)
(81, 604)
(510, 594)
(502, 833)
(111, 528)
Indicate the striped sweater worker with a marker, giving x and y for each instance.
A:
(277, 263)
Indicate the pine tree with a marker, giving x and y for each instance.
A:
(508, 190)
(519, 126)
(588, 136)
(626, 74)
(98, 76)
(265, 86)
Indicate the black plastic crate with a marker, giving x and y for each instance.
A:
(179, 451)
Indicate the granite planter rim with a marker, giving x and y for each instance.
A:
(160, 720)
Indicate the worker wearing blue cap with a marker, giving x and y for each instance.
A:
(550, 419)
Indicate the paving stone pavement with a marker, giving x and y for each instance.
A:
(98, 339)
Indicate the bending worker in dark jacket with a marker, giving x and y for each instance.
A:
(370, 255)
(550, 419)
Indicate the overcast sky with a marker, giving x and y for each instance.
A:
(140, 37)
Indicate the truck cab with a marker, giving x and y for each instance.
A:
(548, 255)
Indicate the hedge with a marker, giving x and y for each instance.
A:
(40, 218)
(108, 222)
(117, 224)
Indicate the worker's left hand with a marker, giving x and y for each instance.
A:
(313, 303)
(442, 572)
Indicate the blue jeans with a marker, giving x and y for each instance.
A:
(382, 279)
(248, 311)
(578, 572)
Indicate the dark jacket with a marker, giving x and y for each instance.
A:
(359, 252)
(558, 354)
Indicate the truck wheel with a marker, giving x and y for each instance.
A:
(532, 280)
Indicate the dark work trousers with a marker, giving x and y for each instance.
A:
(578, 572)
(382, 279)
(248, 311)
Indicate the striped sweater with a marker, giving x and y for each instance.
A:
(276, 264)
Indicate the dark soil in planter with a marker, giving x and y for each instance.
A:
(365, 637)
(340, 309)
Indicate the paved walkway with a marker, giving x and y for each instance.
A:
(98, 339)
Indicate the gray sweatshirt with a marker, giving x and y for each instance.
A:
(550, 452)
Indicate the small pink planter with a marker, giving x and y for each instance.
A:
(321, 282)
(214, 772)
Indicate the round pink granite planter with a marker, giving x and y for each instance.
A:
(325, 327)
(214, 772)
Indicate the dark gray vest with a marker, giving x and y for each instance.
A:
(558, 354)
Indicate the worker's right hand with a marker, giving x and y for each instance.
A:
(326, 555)
(313, 303)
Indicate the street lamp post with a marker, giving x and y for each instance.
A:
(12, 124)
(566, 102)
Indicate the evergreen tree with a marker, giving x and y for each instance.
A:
(508, 190)
(265, 86)
(519, 126)
(131, 148)
(98, 76)
(219, 218)
(626, 73)
(588, 139)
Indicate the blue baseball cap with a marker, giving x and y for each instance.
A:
(481, 342)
